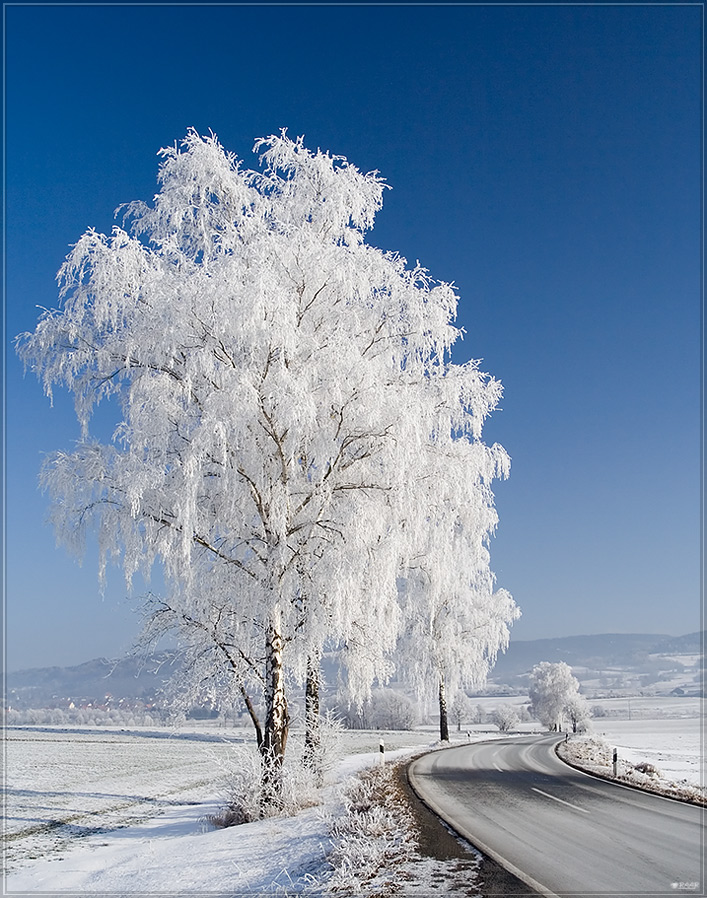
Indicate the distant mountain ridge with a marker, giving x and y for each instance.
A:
(127, 678)
(131, 678)
(631, 652)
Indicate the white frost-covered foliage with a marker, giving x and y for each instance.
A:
(455, 620)
(505, 717)
(554, 697)
(286, 408)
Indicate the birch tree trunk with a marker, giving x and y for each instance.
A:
(277, 720)
(312, 736)
(443, 719)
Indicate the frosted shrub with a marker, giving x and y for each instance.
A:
(246, 795)
(392, 710)
(329, 753)
(648, 769)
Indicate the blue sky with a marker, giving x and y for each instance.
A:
(547, 159)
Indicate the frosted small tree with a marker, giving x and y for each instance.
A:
(505, 717)
(578, 713)
(277, 384)
(554, 695)
(460, 709)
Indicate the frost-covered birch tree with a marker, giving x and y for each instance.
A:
(455, 621)
(271, 376)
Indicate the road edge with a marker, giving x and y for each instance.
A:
(534, 886)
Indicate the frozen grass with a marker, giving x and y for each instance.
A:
(373, 840)
(375, 846)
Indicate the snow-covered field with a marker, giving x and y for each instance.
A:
(104, 810)
(97, 810)
(672, 746)
(65, 784)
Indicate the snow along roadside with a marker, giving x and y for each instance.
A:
(593, 754)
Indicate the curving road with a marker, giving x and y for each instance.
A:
(560, 831)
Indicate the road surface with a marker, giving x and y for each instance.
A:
(560, 831)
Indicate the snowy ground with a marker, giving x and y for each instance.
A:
(672, 746)
(662, 756)
(123, 813)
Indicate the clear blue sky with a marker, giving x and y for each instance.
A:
(546, 159)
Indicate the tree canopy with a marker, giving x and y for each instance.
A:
(286, 412)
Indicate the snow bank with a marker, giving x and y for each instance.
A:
(595, 755)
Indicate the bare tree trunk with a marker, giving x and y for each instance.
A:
(443, 720)
(253, 716)
(312, 735)
(277, 719)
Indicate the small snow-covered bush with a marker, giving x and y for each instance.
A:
(505, 718)
(648, 769)
(301, 783)
(246, 798)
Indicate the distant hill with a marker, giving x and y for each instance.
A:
(127, 678)
(638, 654)
(692, 643)
(640, 658)
(605, 650)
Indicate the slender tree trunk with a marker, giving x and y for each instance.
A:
(277, 720)
(443, 720)
(312, 735)
(253, 716)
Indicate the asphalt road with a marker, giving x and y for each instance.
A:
(560, 831)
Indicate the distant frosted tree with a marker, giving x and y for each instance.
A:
(391, 710)
(554, 696)
(460, 709)
(279, 388)
(505, 717)
(578, 713)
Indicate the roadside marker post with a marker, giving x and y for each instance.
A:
(616, 761)
(381, 748)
